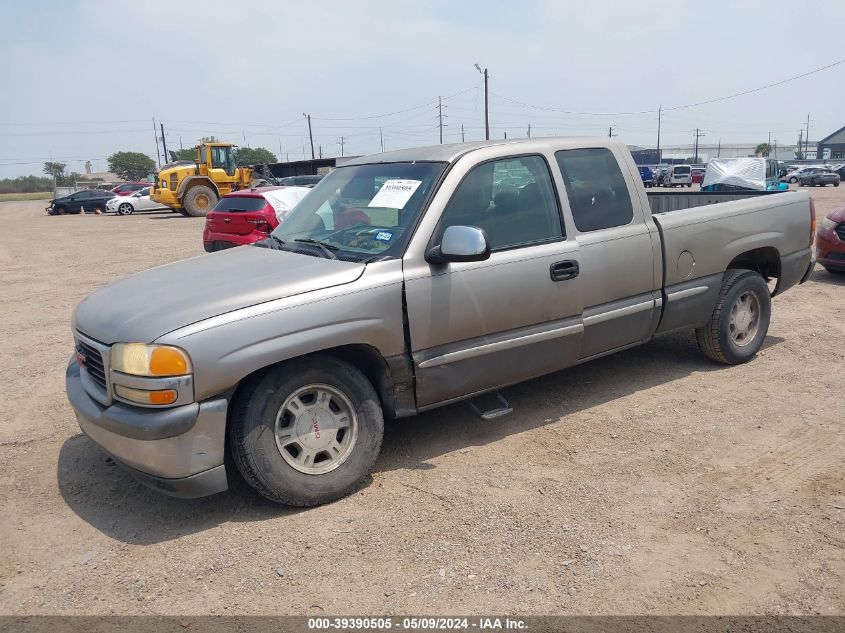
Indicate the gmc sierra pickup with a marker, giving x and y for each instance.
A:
(406, 281)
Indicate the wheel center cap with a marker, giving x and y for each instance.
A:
(315, 428)
(743, 320)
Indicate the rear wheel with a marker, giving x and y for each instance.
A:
(306, 432)
(199, 200)
(740, 320)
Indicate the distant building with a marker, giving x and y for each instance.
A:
(832, 147)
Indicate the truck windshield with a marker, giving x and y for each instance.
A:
(362, 210)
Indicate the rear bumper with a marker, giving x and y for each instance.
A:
(232, 239)
(178, 451)
(795, 268)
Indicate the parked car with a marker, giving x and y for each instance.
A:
(299, 181)
(698, 174)
(647, 176)
(793, 176)
(249, 215)
(660, 176)
(830, 241)
(88, 199)
(137, 201)
(678, 176)
(742, 174)
(126, 188)
(399, 285)
(818, 178)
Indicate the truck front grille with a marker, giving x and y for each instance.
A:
(93, 363)
(840, 231)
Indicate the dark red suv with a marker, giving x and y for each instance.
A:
(830, 241)
(247, 216)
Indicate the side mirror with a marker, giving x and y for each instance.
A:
(460, 244)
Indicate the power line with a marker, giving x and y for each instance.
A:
(678, 107)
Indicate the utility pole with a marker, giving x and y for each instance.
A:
(610, 133)
(320, 151)
(381, 139)
(164, 143)
(244, 133)
(769, 145)
(659, 116)
(800, 142)
(463, 138)
(180, 143)
(506, 135)
(310, 135)
(280, 150)
(440, 117)
(807, 138)
(529, 130)
(341, 146)
(698, 134)
(155, 134)
(719, 150)
(486, 102)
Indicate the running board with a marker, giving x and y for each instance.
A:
(490, 406)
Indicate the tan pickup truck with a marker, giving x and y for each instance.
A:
(407, 281)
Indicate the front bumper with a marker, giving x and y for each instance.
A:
(177, 451)
(830, 250)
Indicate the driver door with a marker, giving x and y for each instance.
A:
(476, 326)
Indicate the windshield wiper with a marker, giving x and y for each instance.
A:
(325, 247)
(272, 242)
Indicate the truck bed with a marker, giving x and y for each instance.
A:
(665, 201)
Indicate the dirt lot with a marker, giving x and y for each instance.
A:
(652, 481)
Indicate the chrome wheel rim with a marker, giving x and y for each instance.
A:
(316, 429)
(124, 209)
(745, 318)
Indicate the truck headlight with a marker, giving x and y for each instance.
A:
(827, 224)
(140, 359)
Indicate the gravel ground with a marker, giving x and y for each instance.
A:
(652, 481)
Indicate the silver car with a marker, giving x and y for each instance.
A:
(137, 201)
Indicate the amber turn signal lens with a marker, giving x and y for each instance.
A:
(141, 396)
(168, 361)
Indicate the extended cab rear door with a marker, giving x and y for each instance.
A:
(479, 325)
(618, 247)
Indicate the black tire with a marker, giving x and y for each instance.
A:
(836, 184)
(793, 180)
(714, 339)
(58, 210)
(834, 271)
(252, 434)
(125, 209)
(199, 200)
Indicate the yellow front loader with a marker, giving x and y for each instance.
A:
(195, 187)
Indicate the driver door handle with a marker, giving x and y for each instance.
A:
(561, 271)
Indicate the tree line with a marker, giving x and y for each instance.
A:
(133, 166)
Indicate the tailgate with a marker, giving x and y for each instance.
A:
(236, 223)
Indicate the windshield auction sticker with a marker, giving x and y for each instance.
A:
(394, 194)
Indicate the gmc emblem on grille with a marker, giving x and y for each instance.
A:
(80, 358)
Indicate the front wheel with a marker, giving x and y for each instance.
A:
(125, 209)
(793, 180)
(740, 320)
(306, 432)
(199, 200)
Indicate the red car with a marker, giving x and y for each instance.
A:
(128, 188)
(247, 216)
(698, 174)
(830, 241)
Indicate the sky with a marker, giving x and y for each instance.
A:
(82, 79)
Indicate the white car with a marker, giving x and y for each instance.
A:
(138, 201)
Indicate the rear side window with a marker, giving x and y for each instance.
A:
(597, 192)
(240, 203)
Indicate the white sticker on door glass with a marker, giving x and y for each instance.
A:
(394, 194)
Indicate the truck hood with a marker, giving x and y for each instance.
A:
(149, 304)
